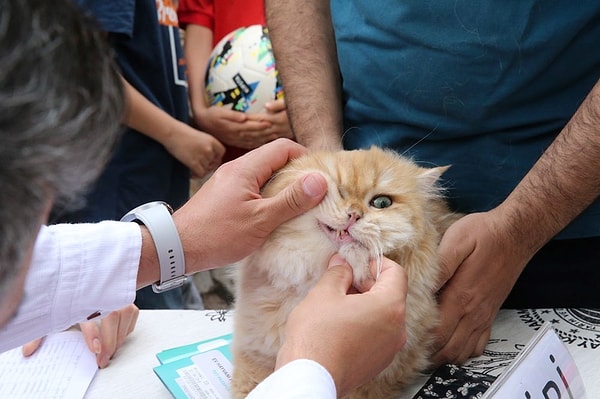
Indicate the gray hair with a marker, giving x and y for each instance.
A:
(61, 103)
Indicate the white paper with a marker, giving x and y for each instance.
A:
(544, 369)
(218, 371)
(62, 367)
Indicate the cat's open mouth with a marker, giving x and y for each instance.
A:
(337, 236)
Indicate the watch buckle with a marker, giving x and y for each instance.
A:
(169, 284)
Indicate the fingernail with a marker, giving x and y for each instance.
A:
(104, 361)
(312, 186)
(96, 345)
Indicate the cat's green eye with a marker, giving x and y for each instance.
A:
(380, 202)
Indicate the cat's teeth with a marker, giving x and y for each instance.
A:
(342, 234)
(337, 235)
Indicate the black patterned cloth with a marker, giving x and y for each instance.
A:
(451, 381)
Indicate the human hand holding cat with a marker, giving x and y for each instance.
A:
(354, 336)
(227, 218)
(480, 264)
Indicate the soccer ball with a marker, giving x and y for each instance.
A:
(241, 71)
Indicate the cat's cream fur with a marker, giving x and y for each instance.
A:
(277, 276)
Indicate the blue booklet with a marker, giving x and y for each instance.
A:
(199, 370)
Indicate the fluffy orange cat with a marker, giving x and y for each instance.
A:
(378, 203)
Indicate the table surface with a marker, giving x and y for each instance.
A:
(131, 373)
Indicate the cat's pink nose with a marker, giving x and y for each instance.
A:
(353, 216)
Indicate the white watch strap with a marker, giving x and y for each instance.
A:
(156, 216)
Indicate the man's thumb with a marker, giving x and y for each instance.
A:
(338, 274)
(300, 196)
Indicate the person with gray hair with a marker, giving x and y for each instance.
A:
(61, 102)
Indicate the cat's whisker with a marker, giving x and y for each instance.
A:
(376, 253)
(379, 265)
(379, 257)
(420, 140)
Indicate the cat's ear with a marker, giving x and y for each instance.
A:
(429, 176)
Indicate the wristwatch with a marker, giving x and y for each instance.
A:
(156, 216)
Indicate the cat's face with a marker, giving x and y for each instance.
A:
(375, 204)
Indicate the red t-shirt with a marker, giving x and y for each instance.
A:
(221, 16)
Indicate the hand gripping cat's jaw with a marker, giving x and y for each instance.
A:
(356, 253)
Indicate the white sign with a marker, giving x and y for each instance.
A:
(544, 369)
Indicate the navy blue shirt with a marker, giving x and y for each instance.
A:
(145, 37)
(484, 86)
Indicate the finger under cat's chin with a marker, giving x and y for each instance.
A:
(364, 285)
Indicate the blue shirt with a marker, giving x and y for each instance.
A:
(145, 37)
(484, 86)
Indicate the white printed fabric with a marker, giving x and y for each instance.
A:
(579, 329)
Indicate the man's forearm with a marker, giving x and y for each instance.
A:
(562, 183)
(304, 46)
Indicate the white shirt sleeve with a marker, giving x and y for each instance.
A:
(76, 270)
(300, 379)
